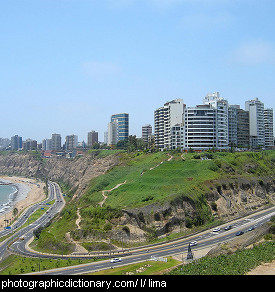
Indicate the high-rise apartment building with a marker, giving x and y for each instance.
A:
(30, 144)
(256, 122)
(233, 125)
(112, 133)
(92, 138)
(165, 118)
(71, 142)
(214, 124)
(118, 128)
(16, 142)
(200, 127)
(146, 133)
(47, 144)
(268, 126)
(56, 142)
(122, 121)
(238, 127)
(221, 106)
(242, 128)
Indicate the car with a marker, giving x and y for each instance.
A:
(193, 243)
(228, 227)
(115, 260)
(217, 229)
(251, 228)
(239, 233)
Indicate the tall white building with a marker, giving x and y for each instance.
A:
(200, 127)
(47, 144)
(221, 106)
(256, 122)
(233, 125)
(268, 126)
(56, 142)
(146, 133)
(71, 142)
(165, 118)
(92, 138)
(112, 133)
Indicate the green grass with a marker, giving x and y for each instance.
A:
(14, 264)
(146, 268)
(52, 238)
(237, 263)
(184, 178)
(146, 186)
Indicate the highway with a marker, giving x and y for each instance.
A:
(179, 247)
(16, 232)
(20, 236)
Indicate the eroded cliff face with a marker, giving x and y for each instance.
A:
(76, 172)
(227, 199)
(224, 199)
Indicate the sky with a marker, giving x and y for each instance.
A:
(68, 65)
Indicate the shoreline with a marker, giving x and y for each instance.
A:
(29, 191)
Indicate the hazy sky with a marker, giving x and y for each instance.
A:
(68, 65)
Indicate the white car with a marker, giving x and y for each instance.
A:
(115, 260)
(193, 243)
(216, 229)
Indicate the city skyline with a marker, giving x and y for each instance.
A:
(67, 66)
(213, 123)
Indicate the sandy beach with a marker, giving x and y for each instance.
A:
(30, 191)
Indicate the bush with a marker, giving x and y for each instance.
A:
(214, 206)
(107, 227)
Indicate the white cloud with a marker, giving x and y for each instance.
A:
(256, 52)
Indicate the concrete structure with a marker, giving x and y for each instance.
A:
(268, 126)
(200, 127)
(242, 128)
(30, 144)
(146, 133)
(112, 134)
(177, 137)
(122, 121)
(16, 142)
(165, 118)
(47, 144)
(56, 142)
(92, 139)
(238, 127)
(256, 122)
(71, 142)
(221, 106)
(233, 125)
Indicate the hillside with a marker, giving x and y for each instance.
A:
(162, 193)
(144, 196)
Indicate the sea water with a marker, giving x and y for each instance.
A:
(7, 193)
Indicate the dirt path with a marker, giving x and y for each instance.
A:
(108, 191)
(117, 186)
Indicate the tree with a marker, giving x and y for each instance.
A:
(15, 212)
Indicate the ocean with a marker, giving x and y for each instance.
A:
(7, 194)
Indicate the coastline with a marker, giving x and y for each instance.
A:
(29, 191)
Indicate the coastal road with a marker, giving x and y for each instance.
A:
(19, 234)
(204, 239)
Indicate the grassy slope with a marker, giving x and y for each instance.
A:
(169, 181)
(169, 178)
(172, 178)
(237, 263)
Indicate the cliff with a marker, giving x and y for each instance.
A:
(75, 172)
(227, 199)
(241, 186)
